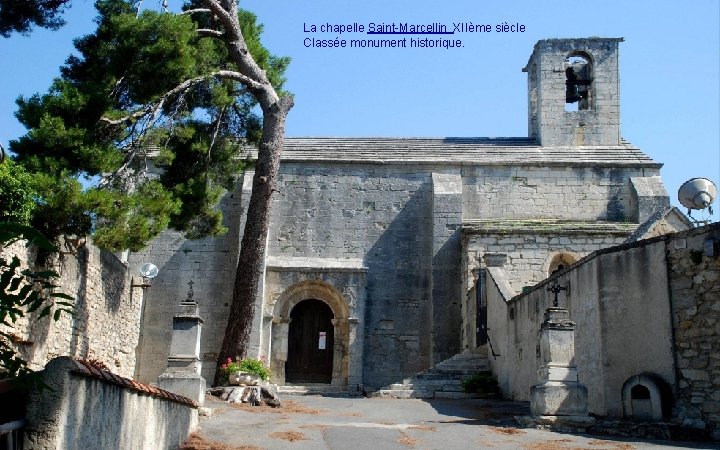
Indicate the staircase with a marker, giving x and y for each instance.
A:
(444, 379)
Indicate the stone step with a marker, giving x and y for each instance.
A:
(437, 385)
(443, 380)
(310, 389)
(449, 375)
(403, 393)
(461, 367)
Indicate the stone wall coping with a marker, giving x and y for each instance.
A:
(656, 218)
(497, 275)
(547, 226)
(301, 264)
(86, 369)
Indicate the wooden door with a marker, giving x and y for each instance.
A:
(310, 343)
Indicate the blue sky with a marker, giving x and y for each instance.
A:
(669, 71)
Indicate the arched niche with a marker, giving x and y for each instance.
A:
(558, 261)
(646, 397)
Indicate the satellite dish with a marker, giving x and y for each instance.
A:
(149, 270)
(697, 193)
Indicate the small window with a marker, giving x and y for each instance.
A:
(578, 83)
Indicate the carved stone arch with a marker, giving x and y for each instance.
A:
(338, 303)
(557, 259)
(311, 289)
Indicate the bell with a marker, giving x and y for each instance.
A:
(571, 89)
(571, 93)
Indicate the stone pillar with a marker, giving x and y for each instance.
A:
(446, 275)
(278, 357)
(559, 393)
(355, 358)
(182, 375)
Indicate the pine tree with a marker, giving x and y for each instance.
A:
(177, 91)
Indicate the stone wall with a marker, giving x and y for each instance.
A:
(402, 222)
(566, 192)
(87, 408)
(106, 322)
(647, 307)
(694, 270)
(619, 303)
(380, 215)
(210, 264)
(526, 254)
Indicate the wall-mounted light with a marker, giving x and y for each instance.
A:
(148, 272)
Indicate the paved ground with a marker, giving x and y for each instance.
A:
(313, 422)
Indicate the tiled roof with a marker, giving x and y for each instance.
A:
(465, 151)
(86, 369)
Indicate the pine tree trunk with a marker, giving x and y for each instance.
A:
(252, 248)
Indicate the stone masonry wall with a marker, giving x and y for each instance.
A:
(695, 290)
(527, 256)
(210, 263)
(401, 223)
(574, 193)
(650, 306)
(617, 297)
(85, 408)
(380, 215)
(106, 322)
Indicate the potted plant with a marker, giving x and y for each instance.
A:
(247, 372)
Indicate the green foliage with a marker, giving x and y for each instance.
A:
(247, 365)
(88, 125)
(481, 383)
(21, 15)
(24, 292)
(17, 196)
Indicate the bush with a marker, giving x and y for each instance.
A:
(17, 196)
(481, 383)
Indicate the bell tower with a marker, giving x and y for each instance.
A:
(574, 92)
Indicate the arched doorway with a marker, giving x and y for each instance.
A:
(310, 343)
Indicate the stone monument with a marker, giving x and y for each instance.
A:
(559, 393)
(182, 375)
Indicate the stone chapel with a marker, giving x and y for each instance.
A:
(377, 245)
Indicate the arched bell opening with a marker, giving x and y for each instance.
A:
(579, 82)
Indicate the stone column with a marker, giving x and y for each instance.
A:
(182, 375)
(559, 393)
